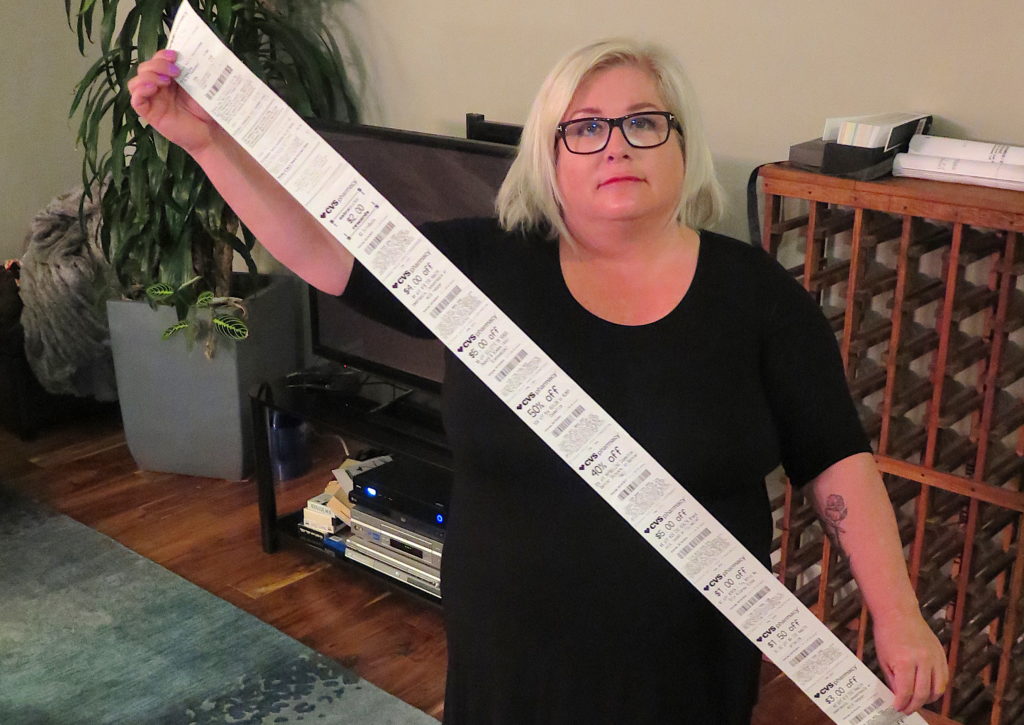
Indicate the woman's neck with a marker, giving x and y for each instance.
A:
(628, 280)
(625, 244)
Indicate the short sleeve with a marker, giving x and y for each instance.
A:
(367, 296)
(802, 370)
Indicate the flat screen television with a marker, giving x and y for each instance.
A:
(428, 178)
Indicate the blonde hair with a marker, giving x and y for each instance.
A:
(529, 199)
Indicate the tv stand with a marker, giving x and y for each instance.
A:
(409, 426)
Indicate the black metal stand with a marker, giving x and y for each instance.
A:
(409, 426)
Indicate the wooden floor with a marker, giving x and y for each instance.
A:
(207, 531)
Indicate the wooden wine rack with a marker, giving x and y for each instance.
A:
(923, 283)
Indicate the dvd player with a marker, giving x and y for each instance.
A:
(405, 489)
(377, 558)
(391, 534)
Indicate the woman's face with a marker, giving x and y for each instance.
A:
(620, 183)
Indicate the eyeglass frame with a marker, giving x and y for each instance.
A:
(614, 123)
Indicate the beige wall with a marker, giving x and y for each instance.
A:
(39, 66)
(766, 73)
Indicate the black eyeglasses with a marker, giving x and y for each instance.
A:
(643, 130)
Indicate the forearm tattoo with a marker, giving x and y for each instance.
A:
(832, 518)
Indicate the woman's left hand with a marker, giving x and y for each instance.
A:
(912, 659)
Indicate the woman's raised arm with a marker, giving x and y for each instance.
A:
(280, 223)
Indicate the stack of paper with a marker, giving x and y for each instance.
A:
(966, 162)
(880, 130)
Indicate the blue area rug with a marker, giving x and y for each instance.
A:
(91, 632)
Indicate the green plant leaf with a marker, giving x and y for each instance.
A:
(175, 259)
(108, 25)
(86, 83)
(231, 327)
(109, 228)
(80, 32)
(156, 170)
(117, 159)
(210, 209)
(150, 28)
(162, 146)
(204, 299)
(98, 107)
(88, 114)
(175, 220)
(122, 113)
(86, 14)
(137, 188)
(176, 158)
(90, 132)
(186, 185)
(175, 328)
(126, 37)
(225, 16)
(159, 291)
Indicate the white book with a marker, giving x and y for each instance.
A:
(958, 148)
(964, 171)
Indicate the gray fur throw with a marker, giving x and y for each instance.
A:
(64, 286)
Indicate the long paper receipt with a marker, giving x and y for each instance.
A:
(528, 381)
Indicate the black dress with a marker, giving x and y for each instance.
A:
(556, 610)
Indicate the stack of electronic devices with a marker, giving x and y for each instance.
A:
(398, 519)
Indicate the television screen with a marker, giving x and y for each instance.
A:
(428, 178)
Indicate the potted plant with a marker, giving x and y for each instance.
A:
(171, 240)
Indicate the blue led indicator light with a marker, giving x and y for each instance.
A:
(440, 518)
(371, 491)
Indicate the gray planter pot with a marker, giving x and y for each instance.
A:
(186, 414)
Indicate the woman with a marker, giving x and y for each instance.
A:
(702, 347)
